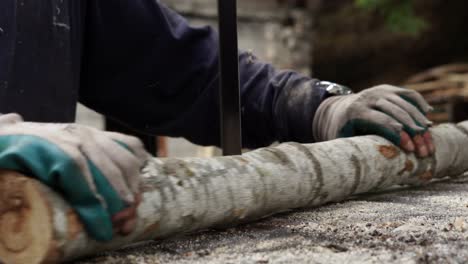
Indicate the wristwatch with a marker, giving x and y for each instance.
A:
(333, 88)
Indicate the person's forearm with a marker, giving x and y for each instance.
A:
(174, 79)
(277, 105)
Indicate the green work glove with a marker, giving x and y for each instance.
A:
(97, 172)
(382, 110)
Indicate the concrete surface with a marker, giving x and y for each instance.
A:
(404, 225)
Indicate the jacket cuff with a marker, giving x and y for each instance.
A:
(296, 109)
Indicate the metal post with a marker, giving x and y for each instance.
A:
(231, 140)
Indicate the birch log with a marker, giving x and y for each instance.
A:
(184, 195)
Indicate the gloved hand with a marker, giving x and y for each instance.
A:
(97, 172)
(396, 114)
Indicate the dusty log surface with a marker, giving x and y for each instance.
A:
(414, 225)
(184, 195)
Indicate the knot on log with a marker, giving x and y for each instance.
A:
(389, 152)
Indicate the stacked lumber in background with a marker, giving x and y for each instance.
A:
(445, 88)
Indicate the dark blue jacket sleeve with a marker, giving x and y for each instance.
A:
(144, 66)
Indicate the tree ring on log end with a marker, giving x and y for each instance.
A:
(25, 220)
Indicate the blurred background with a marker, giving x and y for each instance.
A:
(419, 44)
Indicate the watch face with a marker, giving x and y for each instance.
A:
(334, 89)
(339, 90)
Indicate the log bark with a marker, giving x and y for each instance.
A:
(185, 195)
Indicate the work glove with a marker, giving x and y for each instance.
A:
(394, 113)
(97, 172)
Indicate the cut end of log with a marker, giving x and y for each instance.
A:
(26, 222)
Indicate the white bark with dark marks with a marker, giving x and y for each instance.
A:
(185, 195)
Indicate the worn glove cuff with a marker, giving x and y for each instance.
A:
(321, 124)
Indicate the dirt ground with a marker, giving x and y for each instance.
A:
(403, 225)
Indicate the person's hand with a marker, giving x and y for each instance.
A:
(97, 172)
(396, 114)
